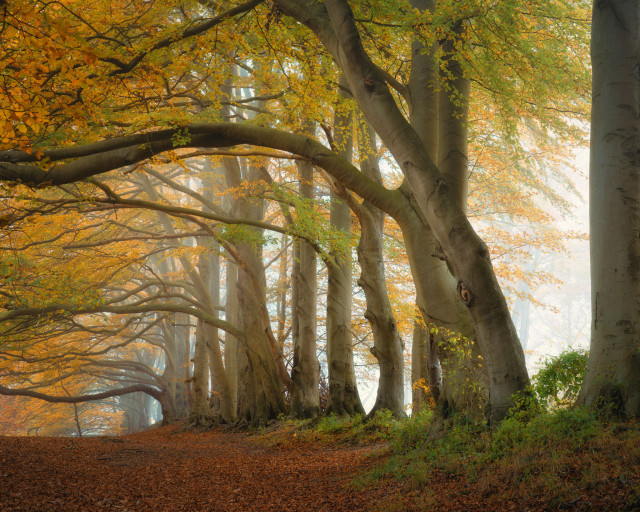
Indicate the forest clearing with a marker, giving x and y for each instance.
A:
(335, 252)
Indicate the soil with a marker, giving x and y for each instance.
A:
(164, 470)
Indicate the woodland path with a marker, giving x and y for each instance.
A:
(161, 470)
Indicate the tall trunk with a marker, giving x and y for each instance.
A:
(212, 336)
(222, 401)
(174, 403)
(262, 398)
(613, 372)
(464, 380)
(201, 279)
(343, 389)
(200, 379)
(453, 132)
(423, 87)
(222, 394)
(305, 398)
(441, 123)
(230, 341)
(283, 287)
(182, 330)
(387, 345)
(465, 252)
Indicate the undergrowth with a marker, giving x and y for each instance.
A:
(547, 452)
(356, 429)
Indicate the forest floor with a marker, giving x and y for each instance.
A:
(165, 469)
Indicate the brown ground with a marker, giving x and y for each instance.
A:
(166, 471)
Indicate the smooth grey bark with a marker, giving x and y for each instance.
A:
(200, 380)
(453, 132)
(230, 341)
(440, 117)
(467, 255)
(305, 374)
(261, 387)
(200, 278)
(283, 288)
(222, 396)
(441, 308)
(212, 336)
(423, 87)
(343, 388)
(613, 373)
(387, 344)
(173, 400)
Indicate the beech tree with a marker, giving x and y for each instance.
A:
(134, 99)
(613, 372)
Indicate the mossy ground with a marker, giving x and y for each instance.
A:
(569, 459)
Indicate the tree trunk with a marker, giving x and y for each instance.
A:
(426, 377)
(465, 252)
(262, 398)
(464, 381)
(612, 379)
(230, 342)
(343, 388)
(200, 379)
(305, 399)
(387, 345)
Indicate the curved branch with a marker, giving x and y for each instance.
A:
(155, 393)
(72, 309)
(97, 158)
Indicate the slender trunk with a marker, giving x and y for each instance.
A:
(200, 380)
(221, 396)
(612, 379)
(343, 389)
(230, 341)
(387, 345)
(212, 336)
(283, 287)
(305, 398)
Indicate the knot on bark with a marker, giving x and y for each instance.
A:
(369, 84)
(465, 294)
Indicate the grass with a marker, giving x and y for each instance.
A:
(566, 459)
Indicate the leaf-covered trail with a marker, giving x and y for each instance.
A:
(158, 471)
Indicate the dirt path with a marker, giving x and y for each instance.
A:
(160, 471)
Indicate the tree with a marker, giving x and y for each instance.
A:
(613, 371)
(430, 205)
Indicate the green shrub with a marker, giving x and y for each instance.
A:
(412, 432)
(558, 382)
(572, 428)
